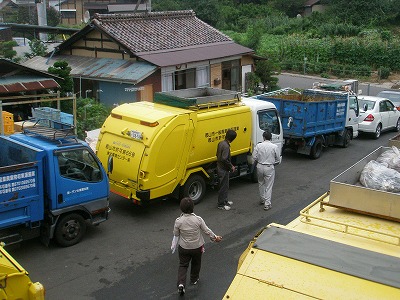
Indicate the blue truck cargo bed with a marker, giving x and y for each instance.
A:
(312, 113)
(21, 188)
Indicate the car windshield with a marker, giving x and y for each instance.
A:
(367, 103)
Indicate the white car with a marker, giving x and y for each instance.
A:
(377, 114)
(393, 96)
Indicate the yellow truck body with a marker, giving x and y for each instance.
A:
(329, 252)
(15, 282)
(152, 150)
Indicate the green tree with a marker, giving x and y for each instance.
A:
(364, 12)
(264, 70)
(63, 70)
(37, 47)
(90, 115)
(6, 49)
(53, 16)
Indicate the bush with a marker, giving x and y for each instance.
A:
(383, 73)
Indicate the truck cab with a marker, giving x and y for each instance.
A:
(265, 118)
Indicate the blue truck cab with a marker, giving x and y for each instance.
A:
(51, 185)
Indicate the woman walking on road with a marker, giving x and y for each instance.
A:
(188, 230)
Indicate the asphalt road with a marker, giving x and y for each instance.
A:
(128, 256)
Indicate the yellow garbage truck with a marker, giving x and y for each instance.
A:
(165, 148)
(15, 282)
(344, 245)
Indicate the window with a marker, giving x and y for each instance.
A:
(269, 121)
(167, 82)
(185, 79)
(68, 14)
(79, 164)
(202, 77)
(231, 75)
(389, 106)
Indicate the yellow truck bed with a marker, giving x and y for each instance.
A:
(325, 253)
(15, 282)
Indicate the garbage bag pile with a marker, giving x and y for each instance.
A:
(384, 172)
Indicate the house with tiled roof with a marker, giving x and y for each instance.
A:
(311, 6)
(75, 12)
(127, 57)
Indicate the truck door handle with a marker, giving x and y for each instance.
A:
(60, 198)
(110, 164)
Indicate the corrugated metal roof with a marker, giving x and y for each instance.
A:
(118, 70)
(207, 52)
(26, 83)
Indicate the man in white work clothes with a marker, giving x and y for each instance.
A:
(266, 155)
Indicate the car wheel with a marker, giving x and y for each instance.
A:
(378, 131)
(397, 128)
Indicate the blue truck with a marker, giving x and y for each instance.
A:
(315, 118)
(51, 185)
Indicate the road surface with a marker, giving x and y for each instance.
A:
(128, 257)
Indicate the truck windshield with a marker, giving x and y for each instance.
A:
(79, 164)
(269, 121)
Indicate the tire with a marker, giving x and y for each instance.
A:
(346, 138)
(316, 149)
(397, 128)
(70, 230)
(378, 132)
(195, 188)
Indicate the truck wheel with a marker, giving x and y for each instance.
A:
(316, 149)
(195, 188)
(378, 131)
(70, 229)
(346, 138)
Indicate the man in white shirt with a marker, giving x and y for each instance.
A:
(266, 155)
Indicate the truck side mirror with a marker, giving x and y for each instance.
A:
(290, 122)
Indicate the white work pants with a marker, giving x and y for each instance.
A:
(266, 177)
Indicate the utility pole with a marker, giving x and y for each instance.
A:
(41, 7)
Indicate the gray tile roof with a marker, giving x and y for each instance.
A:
(159, 31)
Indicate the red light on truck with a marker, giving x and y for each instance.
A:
(144, 123)
(369, 118)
